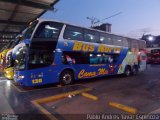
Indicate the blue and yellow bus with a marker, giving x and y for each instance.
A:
(3, 55)
(54, 52)
(9, 62)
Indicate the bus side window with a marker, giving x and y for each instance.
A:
(125, 42)
(110, 58)
(96, 59)
(73, 33)
(91, 36)
(75, 58)
(117, 40)
(105, 39)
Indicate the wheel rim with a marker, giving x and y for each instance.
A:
(128, 72)
(135, 70)
(67, 78)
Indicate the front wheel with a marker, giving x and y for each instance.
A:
(66, 77)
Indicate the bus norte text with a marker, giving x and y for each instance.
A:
(80, 46)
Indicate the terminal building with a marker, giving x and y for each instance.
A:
(15, 15)
(151, 41)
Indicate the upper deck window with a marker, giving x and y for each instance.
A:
(105, 39)
(125, 42)
(117, 40)
(91, 36)
(73, 33)
(48, 30)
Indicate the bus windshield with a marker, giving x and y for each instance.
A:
(20, 58)
(40, 58)
(29, 30)
(43, 45)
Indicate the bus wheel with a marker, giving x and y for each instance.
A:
(127, 71)
(66, 77)
(135, 70)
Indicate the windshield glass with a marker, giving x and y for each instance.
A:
(29, 30)
(41, 54)
(40, 58)
(20, 58)
(48, 31)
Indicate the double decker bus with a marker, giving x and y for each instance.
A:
(3, 55)
(54, 52)
(9, 62)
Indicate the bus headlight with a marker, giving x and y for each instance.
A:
(21, 77)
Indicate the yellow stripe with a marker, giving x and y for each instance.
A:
(43, 110)
(53, 98)
(60, 96)
(123, 107)
(89, 96)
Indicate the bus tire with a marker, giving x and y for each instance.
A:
(66, 77)
(127, 71)
(135, 70)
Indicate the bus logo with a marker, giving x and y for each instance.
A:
(84, 74)
(80, 46)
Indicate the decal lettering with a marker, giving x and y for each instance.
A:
(80, 46)
(35, 81)
(102, 71)
(77, 46)
(85, 74)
